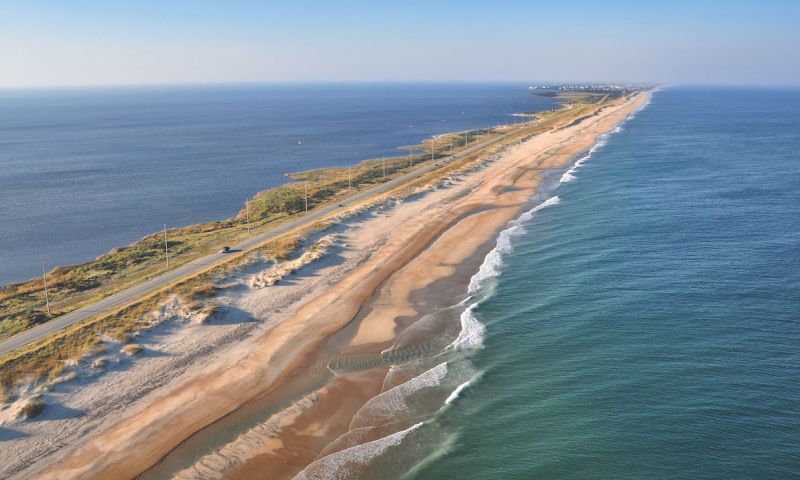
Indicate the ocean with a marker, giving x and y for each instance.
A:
(638, 320)
(85, 170)
(641, 321)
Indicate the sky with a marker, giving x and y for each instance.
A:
(81, 42)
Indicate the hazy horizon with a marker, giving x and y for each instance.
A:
(92, 43)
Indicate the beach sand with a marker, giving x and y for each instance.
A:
(405, 262)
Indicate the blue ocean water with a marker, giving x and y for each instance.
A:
(647, 324)
(85, 170)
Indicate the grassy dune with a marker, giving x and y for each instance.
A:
(23, 305)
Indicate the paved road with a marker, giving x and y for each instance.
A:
(126, 296)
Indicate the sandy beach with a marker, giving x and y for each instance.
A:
(309, 356)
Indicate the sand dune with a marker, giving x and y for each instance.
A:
(394, 267)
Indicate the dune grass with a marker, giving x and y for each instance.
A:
(45, 360)
(33, 407)
(22, 305)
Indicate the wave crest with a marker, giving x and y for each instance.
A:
(393, 404)
(346, 463)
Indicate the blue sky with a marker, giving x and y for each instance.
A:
(51, 43)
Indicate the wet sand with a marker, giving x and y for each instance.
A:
(360, 315)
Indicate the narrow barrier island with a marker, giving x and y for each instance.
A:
(24, 305)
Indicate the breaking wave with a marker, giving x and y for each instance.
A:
(493, 261)
(345, 463)
(602, 141)
(472, 330)
(457, 392)
(412, 390)
(393, 404)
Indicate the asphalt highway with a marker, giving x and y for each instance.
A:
(128, 295)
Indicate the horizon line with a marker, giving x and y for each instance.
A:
(257, 83)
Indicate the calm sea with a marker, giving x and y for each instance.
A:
(647, 323)
(85, 170)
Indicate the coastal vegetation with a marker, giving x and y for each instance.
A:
(32, 408)
(22, 305)
(132, 349)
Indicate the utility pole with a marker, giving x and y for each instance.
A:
(433, 150)
(46, 293)
(166, 249)
(383, 161)
(247, 208)
(305, 192)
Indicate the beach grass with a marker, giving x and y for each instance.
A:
(23, 305)
(33, 408)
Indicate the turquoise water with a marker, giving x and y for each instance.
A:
(647, 325)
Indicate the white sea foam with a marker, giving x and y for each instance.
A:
(457, 392)
(554, 200)
(493, 261)
(472, 330)
(335, 466)
(488, 269)
(392, 404)
(602, 141)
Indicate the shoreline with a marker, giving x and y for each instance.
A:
(427, 251)
(278, 234)
(431, 295)
(24, 303)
